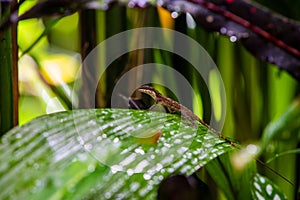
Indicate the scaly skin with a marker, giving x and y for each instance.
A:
(188, 114)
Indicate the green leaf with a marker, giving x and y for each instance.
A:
(48, 25)
(102, 153)
(223, 181)
(263, 188)
(293, 151)
(288, 121)
(233, 181)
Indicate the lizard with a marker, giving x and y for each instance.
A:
(188, 114)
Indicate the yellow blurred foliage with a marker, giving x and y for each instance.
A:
(59, 69)
(165, 18)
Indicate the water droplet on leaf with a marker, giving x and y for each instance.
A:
(223, 30)
(269, 189)
(88, 146)
(107, 195)
(91, 168)
(174, 15)
(190, 21)
(147, 176)
(130, 172)
(233, 38)
(116, 140)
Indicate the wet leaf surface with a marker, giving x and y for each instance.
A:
(98, 154)
(265, 189)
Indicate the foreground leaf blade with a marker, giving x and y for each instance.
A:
(103, 153)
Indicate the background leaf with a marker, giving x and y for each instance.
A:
(265, 189)
(288, 121)
(233, 181)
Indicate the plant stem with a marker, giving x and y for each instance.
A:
(9, 76)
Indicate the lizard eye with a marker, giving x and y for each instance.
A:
(140, 100)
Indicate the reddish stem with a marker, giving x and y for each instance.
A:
(247, 24)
